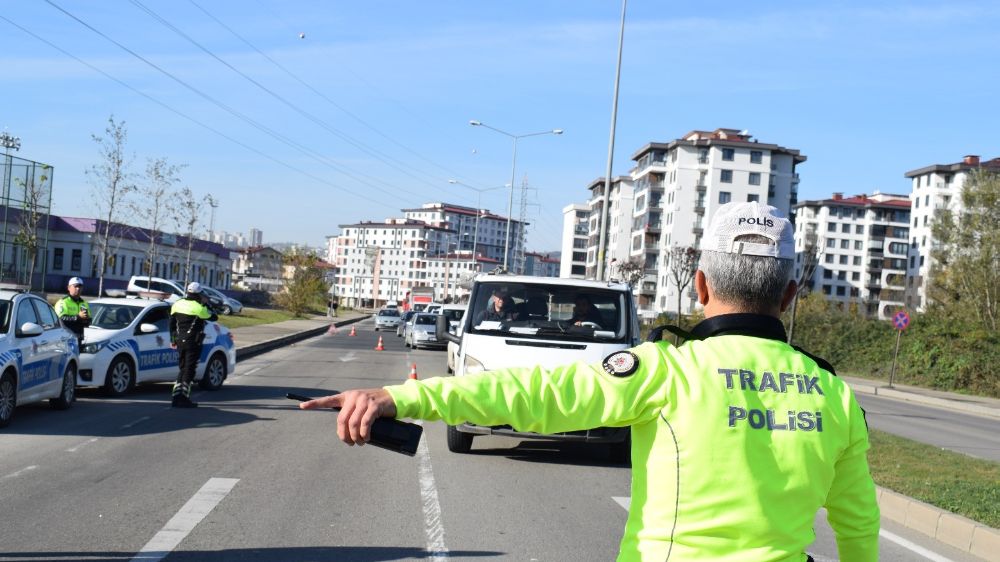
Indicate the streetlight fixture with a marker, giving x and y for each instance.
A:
(513, 166)
(479, 212)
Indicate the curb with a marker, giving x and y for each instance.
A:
(951, 529)
(268, 345)
(876, 390)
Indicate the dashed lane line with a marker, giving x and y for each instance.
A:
(136, 422)
(84, 444)
(24, 470)
(181, 524)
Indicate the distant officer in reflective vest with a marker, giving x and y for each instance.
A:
(187, 332)
(738, 438)
(73, 310)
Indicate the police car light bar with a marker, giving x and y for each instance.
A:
(155, 295)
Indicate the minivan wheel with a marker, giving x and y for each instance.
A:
(8, 398)
(459, 442)
(68, 394)
(120, 379)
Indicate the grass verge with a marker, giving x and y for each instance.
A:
(951, 481)
(254, 316)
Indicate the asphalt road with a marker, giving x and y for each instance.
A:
(249, 477)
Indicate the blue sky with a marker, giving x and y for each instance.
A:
(865, 91)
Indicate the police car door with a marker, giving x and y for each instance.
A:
(35, 379)
(60, 344)
(157, 362)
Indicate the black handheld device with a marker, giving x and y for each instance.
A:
(387, 433)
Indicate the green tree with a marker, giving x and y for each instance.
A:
(306, 289)
(631, 271)
(153, 205)
(965, 275)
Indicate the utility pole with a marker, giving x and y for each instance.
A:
(523, 218)
(213, 203)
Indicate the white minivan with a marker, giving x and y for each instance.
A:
(537, 327)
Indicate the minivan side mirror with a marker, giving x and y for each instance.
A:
(441, 330)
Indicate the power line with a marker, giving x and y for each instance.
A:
(189, 118)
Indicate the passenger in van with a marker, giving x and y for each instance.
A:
(499, 309)
(584, 311)
(738, 438)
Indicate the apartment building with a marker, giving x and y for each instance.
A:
(618, 227)
(862, 244)
(540, 265)
(934, 188)
(492, 229)
(680, 184)
(576, 228)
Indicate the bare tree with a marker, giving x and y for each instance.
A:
(34, 207)
(631, 271)
(810, 259)
(112, 183)
(153, 205)
(189, 214)
(682, 262)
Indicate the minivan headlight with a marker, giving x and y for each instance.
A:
(93, 347)
(473, 366)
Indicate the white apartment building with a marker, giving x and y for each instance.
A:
(576, 228)
(619, 224)
(256, 237)
(489, 242)
(934, 188)
(862, 244)
(680, 184)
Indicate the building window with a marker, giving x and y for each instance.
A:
(829, 258)
(827, 274)
(57, 259)
(728, 154)
(842, 275)
(831, 227)
(845, 228)
(859, 229)
(76, 260)
(756, 157)
(841, 291)
(754, 178)
(753, 197)
(843, 260)
(703, 156)
(726, 177)
(725, 197)
(826, 289)
(845, 244)
(856, 276)
(831, 242)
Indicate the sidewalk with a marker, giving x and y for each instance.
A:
(954, 530)
(254, 340)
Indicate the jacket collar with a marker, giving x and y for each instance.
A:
(754, 325)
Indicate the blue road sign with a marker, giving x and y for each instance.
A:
(901, 320)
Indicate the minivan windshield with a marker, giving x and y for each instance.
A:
(545, 311)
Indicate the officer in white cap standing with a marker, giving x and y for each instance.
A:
(73, 310)
(738, 438)
(187, 332)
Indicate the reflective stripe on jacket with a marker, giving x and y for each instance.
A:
(737, 440)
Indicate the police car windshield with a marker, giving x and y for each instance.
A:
(112, 316)
(551, 312)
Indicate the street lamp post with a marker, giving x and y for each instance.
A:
(513, 167)
(479, 212)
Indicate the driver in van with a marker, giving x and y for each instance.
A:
(585, 312)
(738, 438)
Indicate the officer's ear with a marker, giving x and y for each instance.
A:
(701, 287)
(790, 290)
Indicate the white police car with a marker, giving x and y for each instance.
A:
(38, 356)
(128, 342)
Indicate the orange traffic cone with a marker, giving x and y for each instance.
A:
(379, 346)
(332, 330)
(353, 332)
(413, 371)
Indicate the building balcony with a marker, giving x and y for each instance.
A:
(699, 208)
(698, 230)
(701, 187)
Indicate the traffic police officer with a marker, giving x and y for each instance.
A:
(73, 310)
(738, 438)
(187, 332)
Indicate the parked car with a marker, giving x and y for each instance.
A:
(145, 284)
(38, 356)
(128, 343)
(228, 305)
(386, 318)
(421, 332)
(401, 328)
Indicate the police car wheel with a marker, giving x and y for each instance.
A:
(215, 373)
(227, 310)
(8, 398)
(459, 442)
(120, 379)
(68, 394)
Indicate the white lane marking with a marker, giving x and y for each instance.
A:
(911, 546)
(930, 555)
(140, 420)
(432, 508)
(351, 356)
(196, 508)
(87, 442)
(22, 471)
(250, 372)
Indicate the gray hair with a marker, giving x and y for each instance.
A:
(755, 283)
